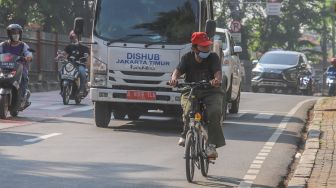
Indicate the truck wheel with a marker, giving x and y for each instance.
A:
(255, 89)
(120, 115)
(3, 106)
(102, 114)
(235, 104)
(133, 116)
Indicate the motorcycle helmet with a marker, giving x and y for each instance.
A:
(14, 32)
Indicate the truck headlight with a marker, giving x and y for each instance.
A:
(99, 74)
(98, 67)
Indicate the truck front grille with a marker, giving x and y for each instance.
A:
(162, 89)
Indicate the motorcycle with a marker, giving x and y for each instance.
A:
(331, 82)
(11, 99)
(305, 85)
(69, 78)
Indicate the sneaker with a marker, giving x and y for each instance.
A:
(211, 151)
(181, 142)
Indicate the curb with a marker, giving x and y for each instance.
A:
(307, 160)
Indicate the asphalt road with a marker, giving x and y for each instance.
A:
(52, 145)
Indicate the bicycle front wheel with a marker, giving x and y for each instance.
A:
(190, 157)
(204, 159)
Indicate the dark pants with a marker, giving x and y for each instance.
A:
(82, 77)
(24, 84)
(213, 99)
(331, 91)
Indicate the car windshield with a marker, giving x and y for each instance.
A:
(146, 21)
(279, 59)
(222, 37)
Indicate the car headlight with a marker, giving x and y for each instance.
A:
(99, 74)
(256, 74)
(69, 67)
(290, 75)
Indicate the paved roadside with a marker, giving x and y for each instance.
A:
(317, 166)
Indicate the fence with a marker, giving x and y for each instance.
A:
(43, 68)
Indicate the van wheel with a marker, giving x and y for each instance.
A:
(235, 105)
(102, 114)
(120, 115)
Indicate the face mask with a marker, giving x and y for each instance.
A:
(16, 37)
(204, 55)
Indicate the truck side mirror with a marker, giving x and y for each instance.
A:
(210, 28)
(237, 49)
(78, 26)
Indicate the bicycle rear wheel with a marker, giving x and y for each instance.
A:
(189, 157)
(204, 160)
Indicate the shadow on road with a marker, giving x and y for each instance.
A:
(170, 127)
(34, 173)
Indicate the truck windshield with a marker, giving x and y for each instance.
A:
(151, 21)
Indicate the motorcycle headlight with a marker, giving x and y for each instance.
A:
(69, 67)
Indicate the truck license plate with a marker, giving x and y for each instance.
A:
(141, 95)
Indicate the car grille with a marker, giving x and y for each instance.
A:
(270, 75)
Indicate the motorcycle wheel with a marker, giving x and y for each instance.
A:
(3, 106)
(66, 94)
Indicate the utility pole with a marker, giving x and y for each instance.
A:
(324, 44)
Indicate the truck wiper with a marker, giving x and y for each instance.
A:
(156, 42)
(125, 38)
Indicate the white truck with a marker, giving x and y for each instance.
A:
(136, 47)
(231, 67)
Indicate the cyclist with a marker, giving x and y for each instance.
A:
(197, 65)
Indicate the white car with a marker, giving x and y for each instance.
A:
(231, 67)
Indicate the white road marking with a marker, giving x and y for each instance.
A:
(82, 109)
(236, 115)
(54, 107)
(255, 166)
(253, 171)
(257, 162)
(263, 154)
(250, 177)
(265, 150)
(263, 116)
(260, 158)
(269, 145)
(43, 137)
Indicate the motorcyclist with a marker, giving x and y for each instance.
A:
(197, 65)
(16, 46)
(331, 71)
(77, 50)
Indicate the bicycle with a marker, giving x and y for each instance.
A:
(197, 136)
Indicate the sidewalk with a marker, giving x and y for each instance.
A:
(317, 166)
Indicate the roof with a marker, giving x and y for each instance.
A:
(284, 52)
